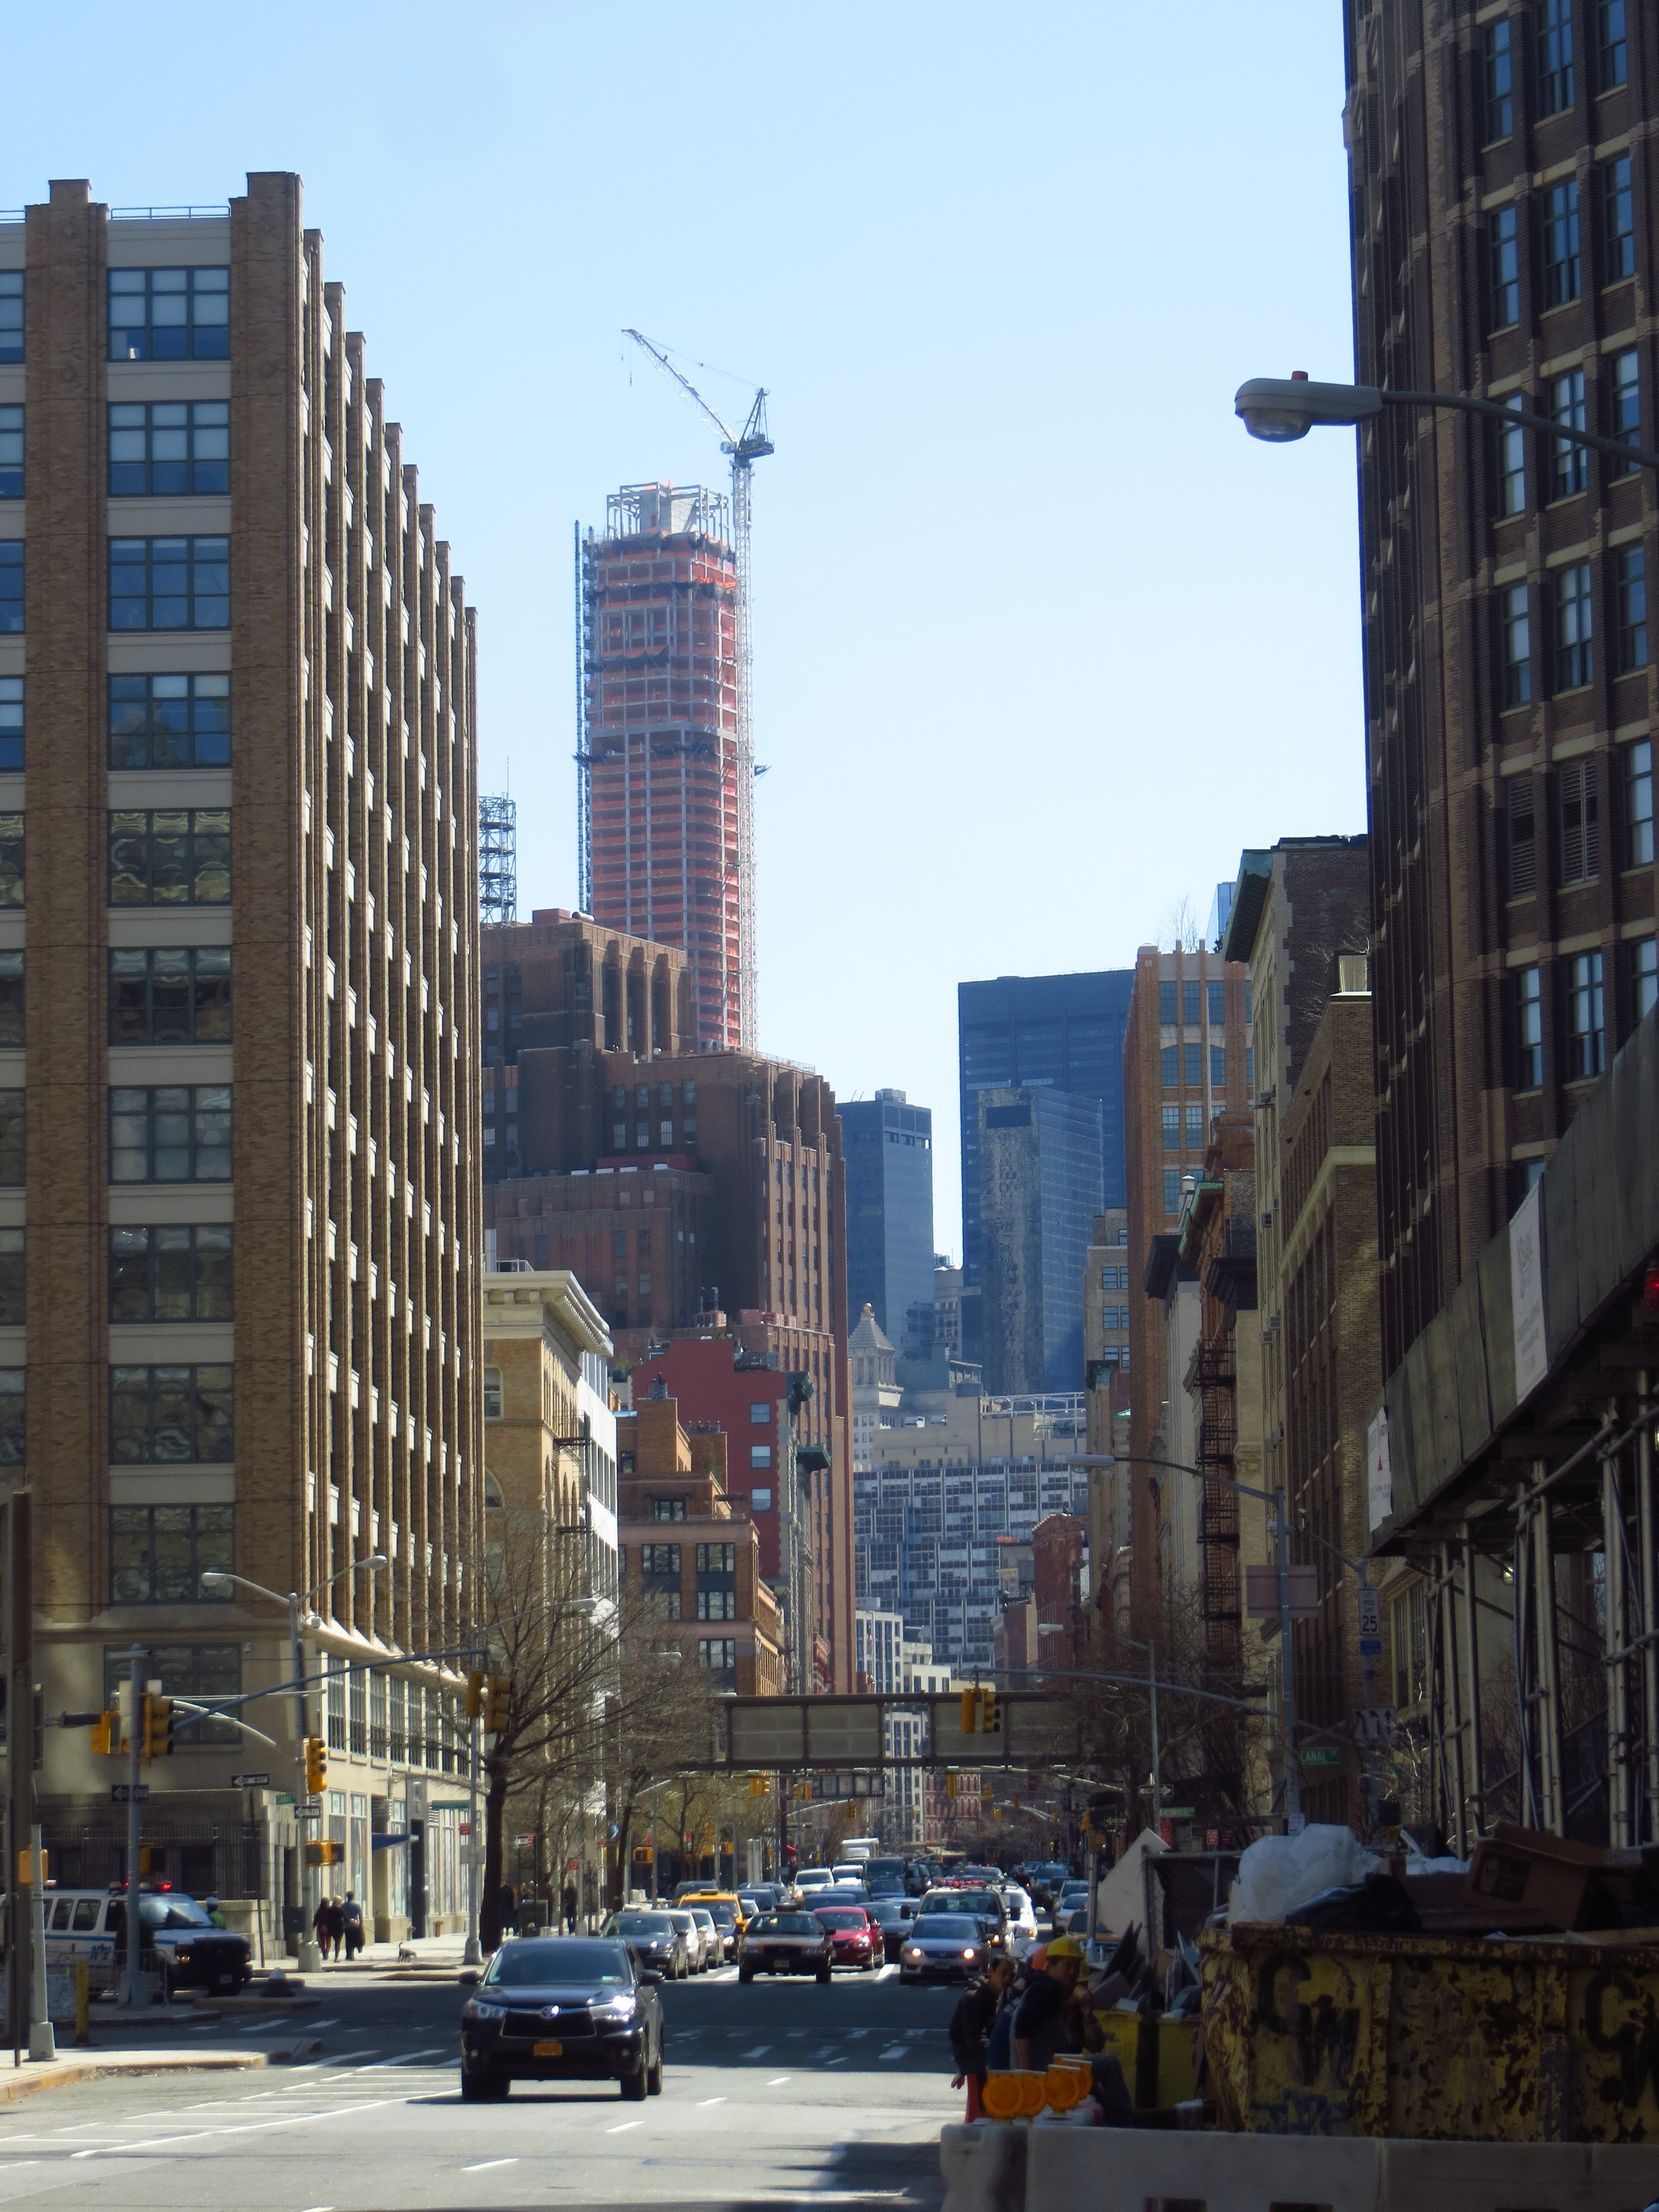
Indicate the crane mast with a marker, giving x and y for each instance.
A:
(744, 448)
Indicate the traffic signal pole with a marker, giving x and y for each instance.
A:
(134, 1990)
(472, 1955)
(310, 1958)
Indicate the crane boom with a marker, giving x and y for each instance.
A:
(745, 448)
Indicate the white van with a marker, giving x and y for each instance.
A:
(91, 1924)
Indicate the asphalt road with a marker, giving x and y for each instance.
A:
(779, 2093)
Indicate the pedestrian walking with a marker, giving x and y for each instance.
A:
(569, 1902)
(351, 1915)
(970, 2028)
(508, 1902)
(320, 1924)
(333, 1926)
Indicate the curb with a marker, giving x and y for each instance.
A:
(68, 2072)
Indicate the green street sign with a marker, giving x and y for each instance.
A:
(1178, 1812)
(1323, 1754)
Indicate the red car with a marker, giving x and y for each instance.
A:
(856, 1937)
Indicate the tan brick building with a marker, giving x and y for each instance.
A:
(246, 675)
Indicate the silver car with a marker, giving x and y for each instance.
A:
(696, 1958)
(714, 1948)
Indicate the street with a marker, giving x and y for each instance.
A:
(772, 2093)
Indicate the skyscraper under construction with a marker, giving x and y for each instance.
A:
(666, 804)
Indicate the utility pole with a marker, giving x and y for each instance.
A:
(309, 1957)
(20, 1737)
(472, 1955)
(136, 1987)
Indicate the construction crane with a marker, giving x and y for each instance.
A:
(746, 447)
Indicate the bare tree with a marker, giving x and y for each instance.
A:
(1181, 926)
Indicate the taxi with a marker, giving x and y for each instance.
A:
(725, 1907)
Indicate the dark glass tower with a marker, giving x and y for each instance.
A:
(888, 1147)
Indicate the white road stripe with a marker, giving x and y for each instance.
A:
(623, 2129)
(706, 2101)
(778, 2082)
(412, 2057)
(485, 2165)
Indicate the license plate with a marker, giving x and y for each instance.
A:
(550, 2050)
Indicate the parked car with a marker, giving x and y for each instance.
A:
(856, 1937)
(893, 1916)
(661, 1945)
(561, 2008)
(786, 1943)
(90, 1924)
(943, 1947)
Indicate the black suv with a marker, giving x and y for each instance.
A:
(562, 2009)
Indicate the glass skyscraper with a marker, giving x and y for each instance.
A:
(887, 1147)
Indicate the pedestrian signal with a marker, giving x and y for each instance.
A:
(157, 1741)
(498, 1708)
(316, 1773)
(475, 1693)
(25, 1868)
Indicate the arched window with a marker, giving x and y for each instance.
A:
(492, 1491)
(492, 1394)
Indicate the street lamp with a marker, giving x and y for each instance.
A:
(1283, 409)
(310, 1958)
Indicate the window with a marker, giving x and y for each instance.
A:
(14, 1288)
(158, 1553)
(1630, 585)
(1189, 1004)
(760, 1413)
(11, 453)
(1195, 1128)
(1575, 625)
(12, 1145)
(1528, 1031)
(1617, 222)
(717, 1604)
(1554, 52)
(169, 721)
(169, 1413)
(1624, 409)
(1409, 1622)
(169, 314)
(1568, 462)
(201, 1672)
(1561, 269)
(667, 1509)
(717, 1559)
(11, 586)
(719, 1655)
(12, 722)
(1166, 1005)
(760, 1458)
(1522, 841)
(492, 1394)
(11, 859)
(760, 1501)
(179, 856)
(169, 583)
(1580, 845)
(1218, 1067)
(171, 1273)
(1498, 71)
(169, 994)
(1643, 976)
(1170, 1065)
(1503, 269)
(11, 314)
(1638, 804)
(1611, 45)
(1172, 1128)
(1514, 625)
(169, 447)
(1511, 465)
(1172, 1190)
(1192, 1067)
(1586, 1024)
(660, 1559)
(1216, 994)
(166, 1133)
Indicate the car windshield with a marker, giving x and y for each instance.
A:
(945, 1927)
(724, 1915)
(681, 1920)
(642, 1923)
(172, 1912)
(562, 1959)
(839, 1916)
(787, 1923)
(888, 1911)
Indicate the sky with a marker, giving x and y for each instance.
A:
(1041, 638)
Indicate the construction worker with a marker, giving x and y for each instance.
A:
(1053, 2021)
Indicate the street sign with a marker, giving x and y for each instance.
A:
(1375, 1725)
(250, 1782)
(1262, 1593)
(1178, 1812)
(1322, 1755)
(1371, 1621)
(122, 1793)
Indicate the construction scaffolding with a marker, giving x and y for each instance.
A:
(1512, 1467)
(498, 859)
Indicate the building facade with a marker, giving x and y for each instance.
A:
(659, 761)
(874, 1364)
(1039, 1169)
(888, 1145)
(238, 676)
(1504, 244)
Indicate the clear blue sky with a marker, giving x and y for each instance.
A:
(1041, 638)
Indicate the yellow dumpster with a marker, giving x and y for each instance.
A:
(1159, 2057)
(1447, 2037)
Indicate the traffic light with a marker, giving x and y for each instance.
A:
(990, 1719)
(324, 1853)
(316, 1773)
(758, 1785)
(949, 1785)
(475, 1693)
(26, 1869)
(969, 1711)
(498, 1708)
(106, 1733)
(158, 1727)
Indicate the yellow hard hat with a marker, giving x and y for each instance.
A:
(1065, 1947)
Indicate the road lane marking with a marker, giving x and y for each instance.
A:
(411, 2058)
(759, 2051)
(778, 2082)
(704, 2102)
(623, 2129)
(841, 2061)
(485, 2165)
(894, 2051)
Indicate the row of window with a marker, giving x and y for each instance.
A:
(159, 1272)
(1560, 241)
(1194, 1128)
(1567, 463)
(1577, 821)
(159, 448)
(1189, 988)
(169, 856)
(1572, 627)
(169, 994)
(1583, 1010)
(1555, 63)
(673, 1508)
(155, 721)
(1186, 1062)
(154, 584)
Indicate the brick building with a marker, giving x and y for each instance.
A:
(693, 1553)
(245, 1089)
(1187, 1056)
(1505, 229)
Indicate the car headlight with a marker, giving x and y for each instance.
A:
(617, 2008)
(970, 1954)
(912, 1951)
(475, 2009)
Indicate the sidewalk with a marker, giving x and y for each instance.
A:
(71, 2066)
(434, 1955)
